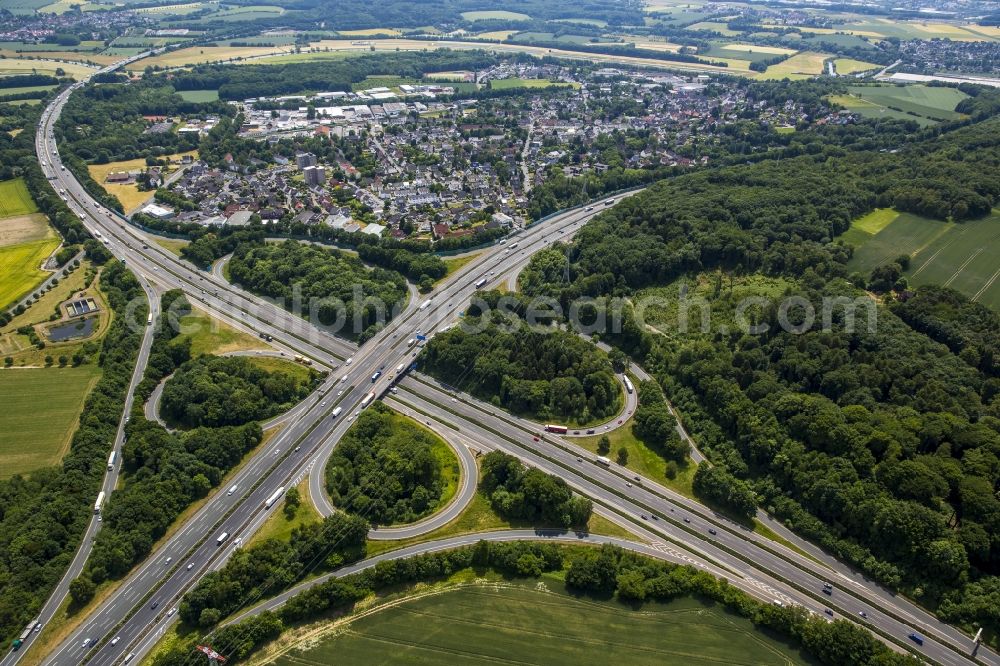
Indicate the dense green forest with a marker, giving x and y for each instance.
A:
(881, 444)
(970, 330)
(338, 286)
(215, 391)
(548, 375)
(529, 494)
(104, 123)
(43, 516)
(609, 570)
(384, 468)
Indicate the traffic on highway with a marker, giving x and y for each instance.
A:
(126, 624)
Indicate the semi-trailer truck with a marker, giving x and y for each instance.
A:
(111, 461)
(99, 503)
(368, 399)
(275, 496)
(558, 429)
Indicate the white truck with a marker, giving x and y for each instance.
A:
(275, 496)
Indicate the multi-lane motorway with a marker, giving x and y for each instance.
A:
(140, 606)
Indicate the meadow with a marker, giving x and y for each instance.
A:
(867, 109)
(18, 66)
(20, 267)
(210, 336)
(195, 55)
(41, 409)
(541, 623)
(932, 103)
(15, 198)
(945, 253)
(504, 84)
(643, 460)
(850, 66)
(26, 241)
(713, 26)
(199, 95)
(800, 66)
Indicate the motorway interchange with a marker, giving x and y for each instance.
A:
(668, 525)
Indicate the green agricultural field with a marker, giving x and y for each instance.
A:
(714, 26)
(497, 15)
(504, 84)
(913, 101)
(40, 414)
(540, 623)
(800, 66)
(20, 267)
(15, 198)
(950, 254)
(851, 66)
(18, 91)
(919, 29)
(751, 54)
(199, 95)
(22, 7)
(867, 109)
(20, 66)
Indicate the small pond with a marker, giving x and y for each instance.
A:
(73, 329)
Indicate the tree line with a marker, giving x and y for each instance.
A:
(272, 565)
(632, 578)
